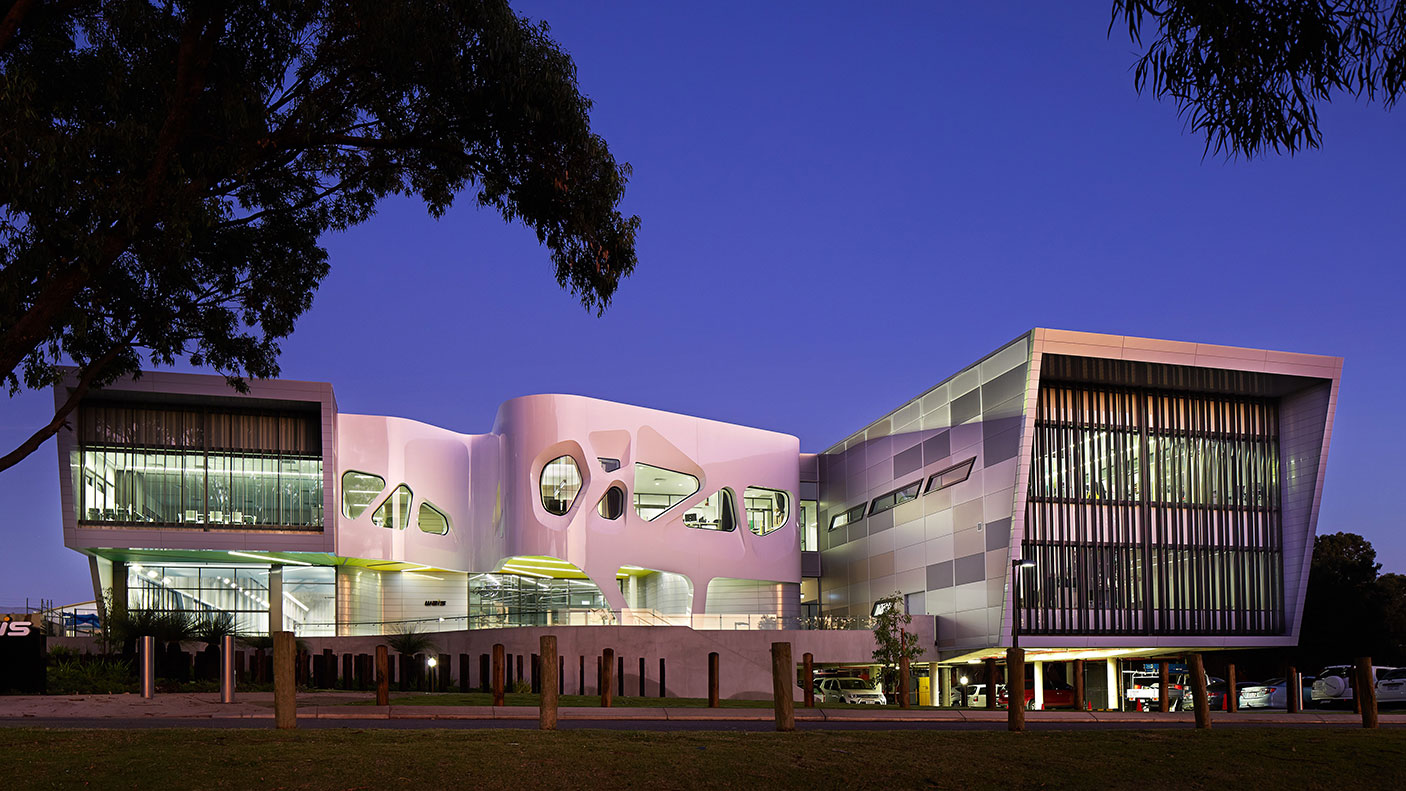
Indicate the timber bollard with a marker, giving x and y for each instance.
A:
(1232, 698)
(383, 676)
(903, 681)
(713, 680)
(663, 687)
(147, 657)
(1164, 686)
(1367, 692)
(227, 669)
(285, 689)
(1294, 701)
(547, 703)
(808, 678)
(500, 661)
(1015, 689)
(783, 673)
(1079, 684)
(991, 682)
(1198, 690)
(607, 677)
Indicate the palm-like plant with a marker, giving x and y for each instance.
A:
(409, 640)
(215, 626)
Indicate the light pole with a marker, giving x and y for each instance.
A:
(1016, 565)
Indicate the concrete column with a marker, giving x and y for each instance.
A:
(1039, 686)
(119, 587)
(944, 676)
(275, 599)
(1112, 684)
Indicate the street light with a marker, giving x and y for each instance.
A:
(1016, 565)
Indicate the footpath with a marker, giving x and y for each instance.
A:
(35, 709)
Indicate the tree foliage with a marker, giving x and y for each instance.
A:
(407, 639)
(1350, 611)
(891, 641)
(167, 169)
(1249, 74)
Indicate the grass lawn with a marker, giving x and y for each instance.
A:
(1341, 760)
(566, 701)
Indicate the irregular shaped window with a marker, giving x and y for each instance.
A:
(561, 482)
(612, 503)
(609, 465)
(432, 520)
(767, 509)
(951, 476)
(896, 497)
(657, 490)
(717, 512)
(852, 515)
(359, 490)
(394, 513)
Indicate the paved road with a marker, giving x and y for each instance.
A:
(613, 725)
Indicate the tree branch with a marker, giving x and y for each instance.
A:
(89, 374)
(12, 20)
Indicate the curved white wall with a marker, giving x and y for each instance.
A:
(488, 486)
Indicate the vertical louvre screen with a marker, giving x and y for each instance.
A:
(1152, 513)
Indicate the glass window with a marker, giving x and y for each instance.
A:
(657, 490)
(951, 476)
(852, 515)
(896, 497)
(432, 520)
(810, 526)
(394, 513)
(359, 490)
(717, 512)
(609, 465)
(767, 509)
(612, 503)
(561, 482)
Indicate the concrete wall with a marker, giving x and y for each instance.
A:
(744, 656)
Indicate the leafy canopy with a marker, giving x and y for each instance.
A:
(1249, 74)
(167, 169)
(892, 641)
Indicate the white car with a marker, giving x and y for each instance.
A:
(1334, 684)
(973, 696)
(1274, 693)
(1391, 686)
(849, 690)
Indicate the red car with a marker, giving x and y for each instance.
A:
(1058, 695)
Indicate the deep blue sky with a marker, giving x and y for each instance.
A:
(841, 209)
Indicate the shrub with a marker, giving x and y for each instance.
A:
(96, 676)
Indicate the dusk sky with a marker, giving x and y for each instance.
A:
(838, 211)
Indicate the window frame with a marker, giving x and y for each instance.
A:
(935, 483)
(448, 525)
(862, 508)
(343, 483)
(542, 485)
(876, 508)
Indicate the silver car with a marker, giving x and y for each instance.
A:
(849, 690)
(1391, 687)
(1274, 693)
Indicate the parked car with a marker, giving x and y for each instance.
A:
(849, 690)
(1058, 695)
(1334, 684)
(973, 695)
(1142, 690)
(1274, 693)
(1215, 694)
(1391, 687)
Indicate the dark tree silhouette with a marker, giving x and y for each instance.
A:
(1249, 74)
(167, 169)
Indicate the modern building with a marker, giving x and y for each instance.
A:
(1145, 496)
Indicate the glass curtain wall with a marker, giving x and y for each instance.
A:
(1153, 513)
(143, 465)
(501, 600)
(309, 602)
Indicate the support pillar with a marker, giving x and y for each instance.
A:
(1039, 701)
(275, 599)
(1112, 684)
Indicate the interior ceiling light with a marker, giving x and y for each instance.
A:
(269, 559)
